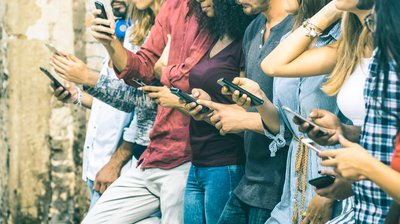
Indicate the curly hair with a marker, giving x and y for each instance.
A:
(229, 18)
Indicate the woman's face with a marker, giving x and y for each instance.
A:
(292, 6)
(143, 4)
(207, 7)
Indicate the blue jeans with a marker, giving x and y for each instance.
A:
(207, 191)
(243, 213)
(94, 195)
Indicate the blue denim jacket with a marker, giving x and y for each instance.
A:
(301, 95)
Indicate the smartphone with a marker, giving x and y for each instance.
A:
(100, 6)
(322, 181)
(308, 142)
(52, 48)
(57, 84)
(188, 99)
(255, 101)
(287, 109)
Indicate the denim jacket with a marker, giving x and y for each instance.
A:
(301, 95)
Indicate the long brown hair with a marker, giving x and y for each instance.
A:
(351, 49)
(307, 9)
(142, 21)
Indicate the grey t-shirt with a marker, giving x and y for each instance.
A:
(262, 184)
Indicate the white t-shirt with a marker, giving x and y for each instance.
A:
(350, 98)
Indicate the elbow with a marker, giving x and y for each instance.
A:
(268, 68)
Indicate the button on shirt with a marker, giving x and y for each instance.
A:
(105, 129)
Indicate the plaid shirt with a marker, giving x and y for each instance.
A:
(377, 137)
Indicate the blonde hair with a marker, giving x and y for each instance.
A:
(351, 49)
(142, 20)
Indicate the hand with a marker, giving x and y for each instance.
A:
(351, 163)
(326, 120)
(227, 118)
(319, 210)
(163, 60)
(103, 30)
(247, 84)
(73, 69)
(68, 95)
(194, 108)
(106, 176)
(162, 96)
(339, 190)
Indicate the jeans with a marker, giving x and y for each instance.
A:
(207, 191)
(243, 213)
(94, 195)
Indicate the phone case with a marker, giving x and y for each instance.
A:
(100, 6)
(255, 101)
(322, 181)
(188, 99)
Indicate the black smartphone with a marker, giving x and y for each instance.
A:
(57, 84)
(100, 6)
(188, 99)
(312, 124)
(322, 181)
(255, 101)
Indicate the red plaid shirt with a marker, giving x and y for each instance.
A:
(169, 140)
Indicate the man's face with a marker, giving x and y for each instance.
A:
(119, 8)
(252, 7)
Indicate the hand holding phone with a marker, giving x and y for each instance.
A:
(298, 116)
(100, 6)
(188, 99)
(56, 83)
(255, 101)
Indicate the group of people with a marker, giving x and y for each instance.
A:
(151, 157)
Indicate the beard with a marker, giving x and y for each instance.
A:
(120, 11)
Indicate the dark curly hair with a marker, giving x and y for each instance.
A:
(229, 18)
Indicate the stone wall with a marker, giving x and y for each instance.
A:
(40, 139)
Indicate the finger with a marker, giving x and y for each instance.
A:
(236, 81)
(330, 153)
(236, 96)
(214, 119)
(242, 100)
(225, 91)
(62, 59)
(96, 13)
(154, 95)
(329, 162)
(64, 96)
(209, 104)
(218, 125)
(58, 91)
(96, 185)
(59, 67)
(151, 88)
(328, 172)
(102, 188)
(195, 93)
(316, 114)
(101, 36)
(190, 106)
(345, 142)
(106, 30)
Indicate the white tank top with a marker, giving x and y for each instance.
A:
(350, 98)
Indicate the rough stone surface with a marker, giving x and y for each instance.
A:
(41, 139)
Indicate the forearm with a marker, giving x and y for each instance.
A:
(385, 177)
(118, 55)
(253, 123)
(123, 154)
(351, 132)
(269, 115)
(87, 100)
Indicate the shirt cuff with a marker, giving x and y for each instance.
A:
(131, 131)
(278, 140)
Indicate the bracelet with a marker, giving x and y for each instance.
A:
(312, 30)
(78, 100)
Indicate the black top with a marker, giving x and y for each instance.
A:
(262, 184)
(209, 148)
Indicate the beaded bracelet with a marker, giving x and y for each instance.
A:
(312, 30)
(78, 100)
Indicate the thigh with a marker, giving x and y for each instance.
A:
(193, 200)
(258, 215)
(170, 186)
(219, 182)
(127, 200)
(234, 210)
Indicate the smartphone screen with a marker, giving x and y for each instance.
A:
(287, 109)
(255, 101)
(188, 99)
